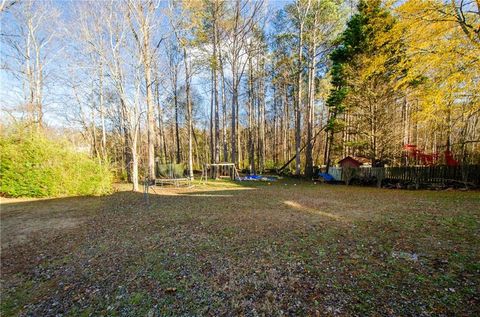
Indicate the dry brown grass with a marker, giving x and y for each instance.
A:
(243, 249)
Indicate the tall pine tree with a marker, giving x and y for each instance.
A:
(363, 78)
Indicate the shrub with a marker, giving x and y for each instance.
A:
(32, 165)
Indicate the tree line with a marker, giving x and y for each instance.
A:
(249, 82)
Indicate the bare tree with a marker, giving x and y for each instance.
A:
(107, 37)
(180, 32)
(302, 12)
(140, 15)
(6, 5)
(28, 41)
(243, 21)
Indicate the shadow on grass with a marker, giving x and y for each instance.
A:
(110, 238)
(241, 203)
(282, 199)
(219, 249)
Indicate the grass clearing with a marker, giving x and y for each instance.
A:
(289, 248)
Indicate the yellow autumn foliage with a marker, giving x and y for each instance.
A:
(445, 62)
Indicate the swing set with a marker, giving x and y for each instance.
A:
(219, 170)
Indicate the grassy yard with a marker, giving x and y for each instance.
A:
(248, 249)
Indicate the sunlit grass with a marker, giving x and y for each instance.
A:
(236, 247)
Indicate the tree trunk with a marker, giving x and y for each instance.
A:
(298, 105)
(133, 150)
(150, 121)
(189, 114)
(234, 113)
(310, 111)
(212, 106)
(224, 106)
(329, 143)
(162, 144)
(261, 118)
(216, 158)
(250, 103)
(102, 115)
(177, 128)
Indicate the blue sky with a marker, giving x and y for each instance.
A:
(11, 87)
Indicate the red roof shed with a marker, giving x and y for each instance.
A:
(350, 162)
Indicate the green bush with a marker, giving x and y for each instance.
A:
(33, 166)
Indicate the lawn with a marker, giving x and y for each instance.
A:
(244, 249)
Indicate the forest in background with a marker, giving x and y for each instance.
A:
(256, 83)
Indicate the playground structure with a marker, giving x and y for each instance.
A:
(420, 170)
(219, 170)
(420, 157)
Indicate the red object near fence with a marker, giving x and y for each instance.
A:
(449, 159)
(428, 159)
(411, 150)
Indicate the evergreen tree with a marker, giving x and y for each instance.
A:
(362, 75)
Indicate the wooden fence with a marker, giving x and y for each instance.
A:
(417, 174)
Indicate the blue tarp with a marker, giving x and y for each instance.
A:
(327, 177)
(257, 178)
(253, 177)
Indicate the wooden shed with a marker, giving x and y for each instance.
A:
(350, 162)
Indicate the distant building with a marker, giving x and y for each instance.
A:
(352, 162)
